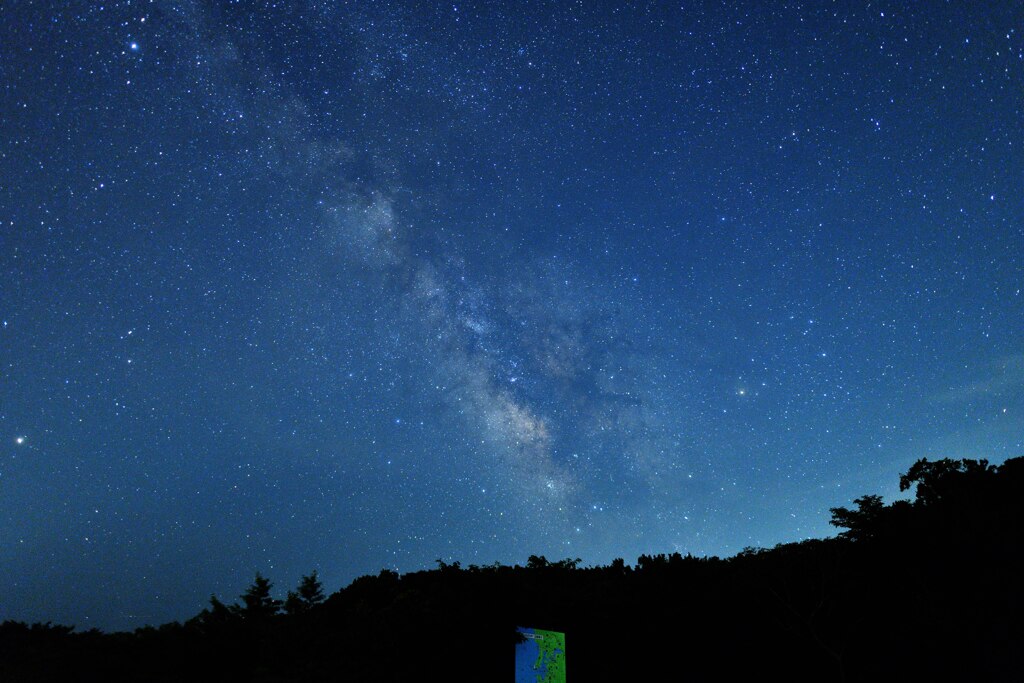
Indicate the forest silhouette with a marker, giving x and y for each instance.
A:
(918, 590)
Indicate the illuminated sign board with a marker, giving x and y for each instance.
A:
(540, 657)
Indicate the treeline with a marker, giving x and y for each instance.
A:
(927, 589)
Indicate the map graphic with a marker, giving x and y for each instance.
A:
(541, 657)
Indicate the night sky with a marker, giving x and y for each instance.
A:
(346, 286)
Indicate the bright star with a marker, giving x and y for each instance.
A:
(134, 47)
(19, 440)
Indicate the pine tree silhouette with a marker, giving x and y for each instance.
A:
(310, 593)
(257, 602)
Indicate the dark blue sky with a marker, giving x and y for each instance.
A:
(358, 285)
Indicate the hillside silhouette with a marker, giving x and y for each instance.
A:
(928, 589)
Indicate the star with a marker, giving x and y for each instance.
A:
(19, 440)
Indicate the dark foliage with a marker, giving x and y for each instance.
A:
(309, 595)
(922, 590)
(257, 603)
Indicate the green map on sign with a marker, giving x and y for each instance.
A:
(540, 658)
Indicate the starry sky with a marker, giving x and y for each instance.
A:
(352, 285)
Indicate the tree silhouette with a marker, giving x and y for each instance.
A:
(309, 594)
(567, 563)
(445, 567)
(537, 562)
(862, 522)
(257, 603)
(940, 480)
